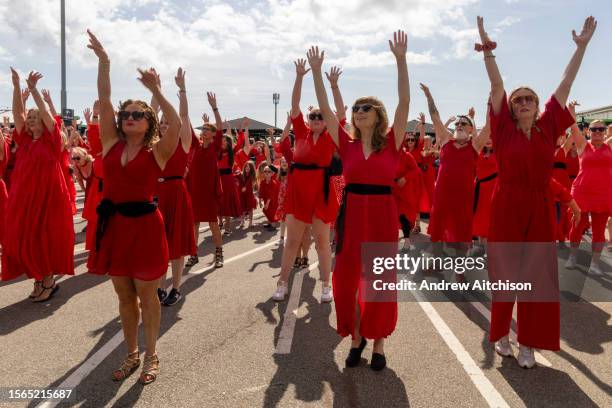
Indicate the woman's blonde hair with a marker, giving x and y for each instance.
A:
(152, 135)
(379, 138)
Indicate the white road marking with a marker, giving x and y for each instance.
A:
(92, 362)
(285, 338)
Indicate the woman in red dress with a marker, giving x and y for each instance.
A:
(230, 198)
(369, 213)
(560, 173)
(204, 181)
(310, 197)
(414, 146)
(173, 198)
(486, 177)
(592, 190)
(524, 145)
(268, 194)
(4, 157)
(131, 243)
(38, 230)
(407, 177)
(247, 197)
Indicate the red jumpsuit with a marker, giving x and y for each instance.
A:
(203, 180)
(521, 211)
(486, 177)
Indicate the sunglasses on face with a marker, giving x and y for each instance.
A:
(598, 129)
(366, 107)
(125, 115)
(525, 99)
(76, 158)
(267, 171)
(315, 116)
(462, 123)
(411, 139)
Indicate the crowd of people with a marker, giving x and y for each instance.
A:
(150, 181)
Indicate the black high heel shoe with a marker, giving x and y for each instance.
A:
(354, 356)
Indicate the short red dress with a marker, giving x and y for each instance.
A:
(39, 232)
(429, 181)
(248, 202)
(135, 247)
(573, 165)
(230, 199)
(419, 187)
(91, 202)
(66, 170)
(406, 196)
(368, 218)
(305, 196)
(453, 206)
(282, 192)
(592, 189)
(269, 191)
(486, 177)
(203, 181)
(175, 206)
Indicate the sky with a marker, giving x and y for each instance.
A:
(244, 50)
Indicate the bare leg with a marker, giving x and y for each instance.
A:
(177, 272)
(306, 241)
(356, 341)
(216, 234)
(320, 232)
(128, 309)
(151, 312)
(295, 232)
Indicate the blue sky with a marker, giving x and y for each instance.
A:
(243, 50)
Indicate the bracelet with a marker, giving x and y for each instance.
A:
(215, 109)
(182, 91)
(95, 116)
(334, 87)
(489, 56)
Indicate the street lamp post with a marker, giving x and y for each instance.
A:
(63, 40)
(275, 99)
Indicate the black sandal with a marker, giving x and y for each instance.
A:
(53, 288)
(298, 262)
(37, 284)
(219, 257)
(304, 263)
(193, 259)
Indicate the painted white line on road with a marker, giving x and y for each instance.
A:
(482, 383)
(94, 361)
(285, 338)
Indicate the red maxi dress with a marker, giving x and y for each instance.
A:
(39, 233)
(203, 181)
(522, 212)
(486, 177)
(3, 191)
(230, 198)
(94, 195)
(561, 174)
(135, 247)
(453, 204)
(305, 197)
(368, 219)
(175, 206)
(406, 196)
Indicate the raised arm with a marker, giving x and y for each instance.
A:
(45, 115)
(165, 147)
(315, 59)
(18, 107)
(497, 83)
(154, 103)
(575, 131)
(185, 131)
(286, 130)
(399, 47)
(581, 40)
(212, 100)
(449, 121)
(332, 77)
(421, 127)
(296, 95)
(480, 140)
(442, 133)
(108, 126)
(47, 98)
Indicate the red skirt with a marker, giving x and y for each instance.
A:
(305, 198)
(175, 207)
(205, 192)
(230, 200)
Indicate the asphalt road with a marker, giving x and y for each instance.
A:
(227, 344)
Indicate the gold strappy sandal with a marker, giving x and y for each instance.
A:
(128, 366)
(150, 370)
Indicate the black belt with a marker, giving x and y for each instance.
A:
(132, 209)
(327, 173)
(225, 171)
(559, 165)
(361, 189)
(477, 189)
(100, 184)
(164, 179)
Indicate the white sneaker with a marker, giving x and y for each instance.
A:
(326, 294)
(503, 348)
(571, 262)
(526, 357)
(280, 293)
(594, 269)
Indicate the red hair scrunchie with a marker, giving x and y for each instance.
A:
(488, 46)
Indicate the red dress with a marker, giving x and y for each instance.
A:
(521, 211)
(3, 192)
(269, 191)
(39, 233)
(561, 174)
(69, 180)
(135, 247)
(282, 191)
(203, 181)
(429, 181)
(369, 218)
(248, 202)
(405, 197)
(230, 199)
(573, 165)
(592, 188)
(419, 187)
(486, 177)
(175, 206)
(91, 202)
(453, 206)
(305, 197)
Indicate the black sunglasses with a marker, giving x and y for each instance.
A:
(598, 129)
(125, 115)
(315, 116)
(366, 107)
(462, 123)
(76, 158)
(411, 139)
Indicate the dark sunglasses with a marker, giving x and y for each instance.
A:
(462, 123)
(598, 129)
(411, 139)
(315, 116)
(267, 171)
(125, 115)
(366, 107)
(525, 99)
(76, 158)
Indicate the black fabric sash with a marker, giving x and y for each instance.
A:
(164, 179)
(327, 174)
(361, 189)
(225, 171)
(132, 209)
(477, 189)
(560, 165)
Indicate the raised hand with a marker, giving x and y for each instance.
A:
(425, 90)
(96, 108)
(148, 79)
(333, 75)
(97, 47)
(300, 67)
(205, 118)
(158, 78)
(25, 94)
(87, 114)
(179, 79)
(582, 39)
(315, 58)
(15, 77)
(33, 78)
(46, 95)
(245, 123)
(571, 107)
(484, 37)
(422, 117)
(212, 99)
(472, 113)
(399, 45)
